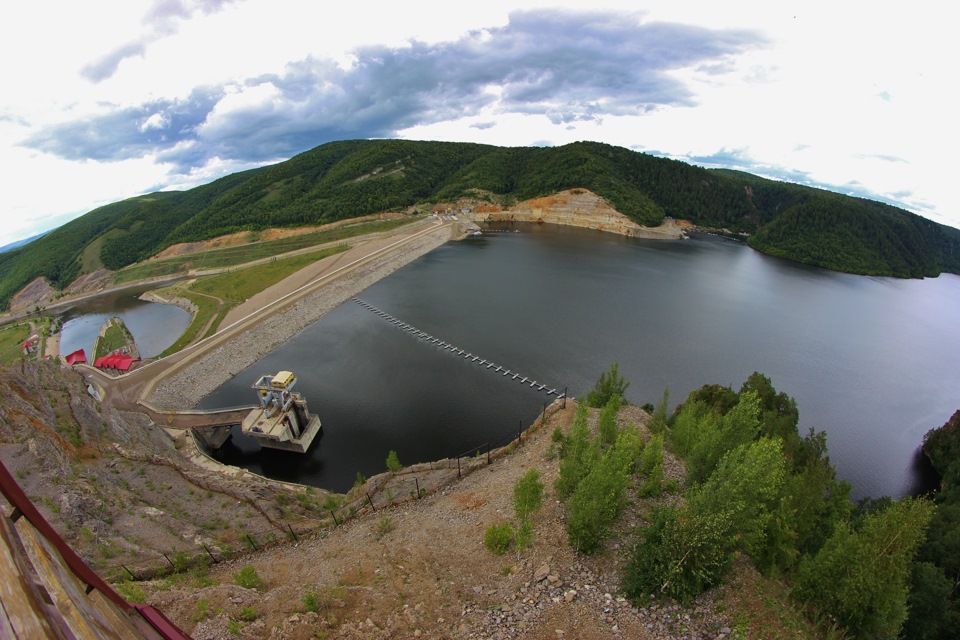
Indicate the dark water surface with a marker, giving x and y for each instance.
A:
(873, 361)
(154, 326)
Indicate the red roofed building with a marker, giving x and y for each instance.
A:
(119, 361)
(125, 362)
(77, 357)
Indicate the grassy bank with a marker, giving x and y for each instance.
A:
(207, 308)
(238, 286)
(114, 337)
(215, 296)
(12, 338)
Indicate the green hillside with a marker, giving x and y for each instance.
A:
(352, 178)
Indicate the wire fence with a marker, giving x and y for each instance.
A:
(380, 492)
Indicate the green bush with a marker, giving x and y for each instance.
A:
(131, 592)
(610, 385)
(738, 426)
(248, 578)
(653, 484)
(658, 421)
(686, 551)
(393, 462)
(332, 502)
(652, 455)
(181, 562)
(524, 535)
(203, 610)
(527, 494)
(860, 576)
(576, 454)
(598, 499)
(607, 421)
(384, 526)
(311, 602)
(498, 538)
(248, 614)
(651, 466)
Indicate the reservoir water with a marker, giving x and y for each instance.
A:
(154, 326)
(875, 362)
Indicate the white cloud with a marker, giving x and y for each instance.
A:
(155, 121)
(136, 95)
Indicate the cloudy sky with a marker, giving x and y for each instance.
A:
(106, 99)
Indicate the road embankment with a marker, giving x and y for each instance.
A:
(235, 348)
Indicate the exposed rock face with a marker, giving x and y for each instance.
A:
(183, 303)
(115, 486)
(575, 208)
(92, 281)
(39, 291)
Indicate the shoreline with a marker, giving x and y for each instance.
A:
(196, 379)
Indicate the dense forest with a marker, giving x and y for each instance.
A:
(935, 578)
(755, 487)
(346, 179)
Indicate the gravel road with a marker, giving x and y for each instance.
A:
(202, 375)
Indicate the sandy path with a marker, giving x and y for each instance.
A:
(52, 349)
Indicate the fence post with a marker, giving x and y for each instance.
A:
(417, 482)
(294, 533)
(543, 416)
(251, 541)
(209, 553)
(334, 518)
(459, 475)
(564, 405)
(371, 503)
(170, 561)
(132, 577)
(488, 453)
(520, 434)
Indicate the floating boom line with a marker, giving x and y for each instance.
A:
(494, 367)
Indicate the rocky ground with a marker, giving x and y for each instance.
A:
(420, 569)
(114, 486)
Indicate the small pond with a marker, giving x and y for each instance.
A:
(154, 326)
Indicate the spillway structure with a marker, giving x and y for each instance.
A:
(282, 419)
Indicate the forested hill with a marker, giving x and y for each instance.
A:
(351, 178)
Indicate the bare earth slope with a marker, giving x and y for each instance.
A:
(576, 208)
(421, 570)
